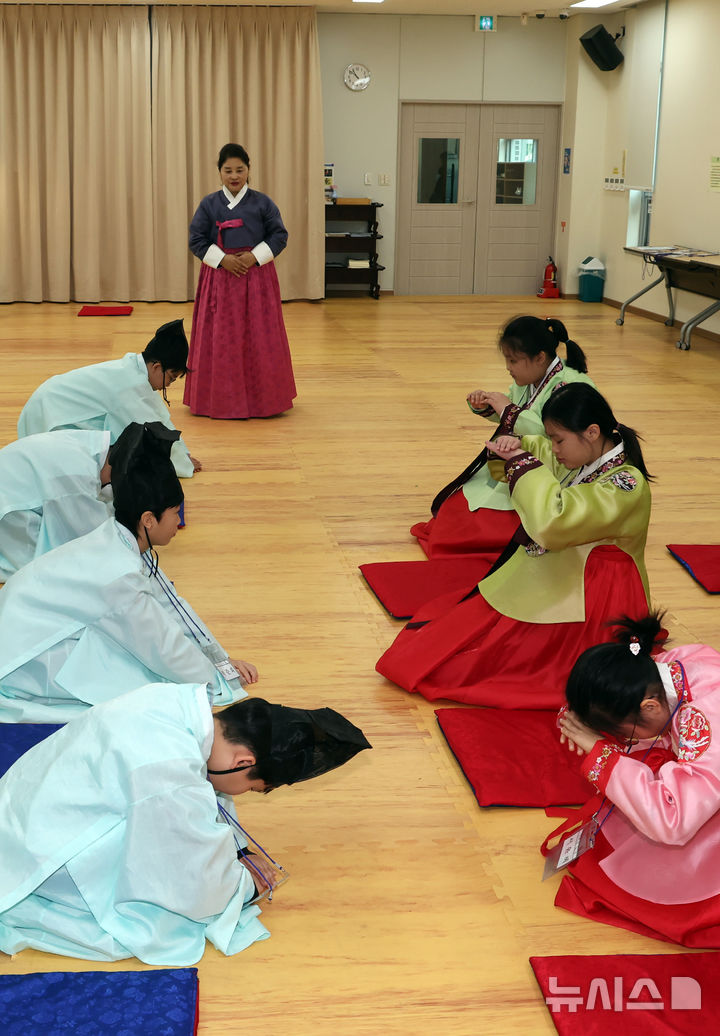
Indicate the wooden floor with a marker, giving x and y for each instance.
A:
(409, 909)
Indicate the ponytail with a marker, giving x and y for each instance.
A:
(633, 452)
(648, 632)
(575, 355)
(609, 682)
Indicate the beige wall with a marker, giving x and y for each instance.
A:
(609, 116)
(685, 210)
(605, 114)
(421, 58)
(622, 106)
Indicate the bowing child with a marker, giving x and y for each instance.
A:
(54, 486)
(474, 513)
(97, 617)
(644, 721)
(118, 833)
(582, 496)
(109, 396)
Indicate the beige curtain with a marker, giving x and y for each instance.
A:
(99, 176)
(250, 75)
(75, 154)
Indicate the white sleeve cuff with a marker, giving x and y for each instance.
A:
(262, 253)
(214, 256)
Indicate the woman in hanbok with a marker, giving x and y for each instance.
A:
(647, 722)
(118, 831)
(240, 362)
(582, 496)
(109, 396)
(54, 487)
(474, 513)
(97, 617)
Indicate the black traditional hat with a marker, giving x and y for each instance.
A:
(168, 347)
(305, 743)
(138, 442)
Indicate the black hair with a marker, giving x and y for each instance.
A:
(150, 485)
(578, 405)
(609, 682)
(233, 151)
(249, 723)
(532, 336)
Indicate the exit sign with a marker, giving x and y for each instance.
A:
(485, 22)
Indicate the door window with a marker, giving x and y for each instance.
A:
(516, 177)
(438, 170)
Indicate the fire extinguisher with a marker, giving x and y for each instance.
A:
(550, 288)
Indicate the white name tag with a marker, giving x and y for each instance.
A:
(570, 849)
(227, 669)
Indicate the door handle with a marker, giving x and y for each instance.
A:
(468, 201)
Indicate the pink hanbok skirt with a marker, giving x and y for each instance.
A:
(590, 893)
(239, 359)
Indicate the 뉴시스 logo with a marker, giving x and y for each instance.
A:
(684, 995)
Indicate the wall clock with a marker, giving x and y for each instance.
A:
(356, 77)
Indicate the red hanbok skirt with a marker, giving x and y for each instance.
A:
(458, 530)
(239, 359)
(590, 893)
(469, 652)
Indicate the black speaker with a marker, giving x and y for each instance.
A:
(600, 46)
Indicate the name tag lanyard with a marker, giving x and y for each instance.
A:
(184, 615)
(281, 874)
(209, 648)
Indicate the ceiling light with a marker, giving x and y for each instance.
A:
(593, 3)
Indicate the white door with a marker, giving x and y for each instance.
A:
(476, 198)
(517, 184)
(435, 243)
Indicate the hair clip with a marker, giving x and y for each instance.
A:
(634, 646)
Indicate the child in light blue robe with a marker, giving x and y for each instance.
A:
(112, 842)
(96, 617)
(108, 396)
(54, 487)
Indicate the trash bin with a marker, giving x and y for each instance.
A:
(592, 280)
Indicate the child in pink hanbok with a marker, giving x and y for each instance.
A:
(655, 864)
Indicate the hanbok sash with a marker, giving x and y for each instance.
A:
(226, 224)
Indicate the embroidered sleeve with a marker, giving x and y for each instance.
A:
(517, 466)
(508, 418)
(599, 763)
(694, 734)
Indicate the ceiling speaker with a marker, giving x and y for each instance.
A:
(601, 47)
